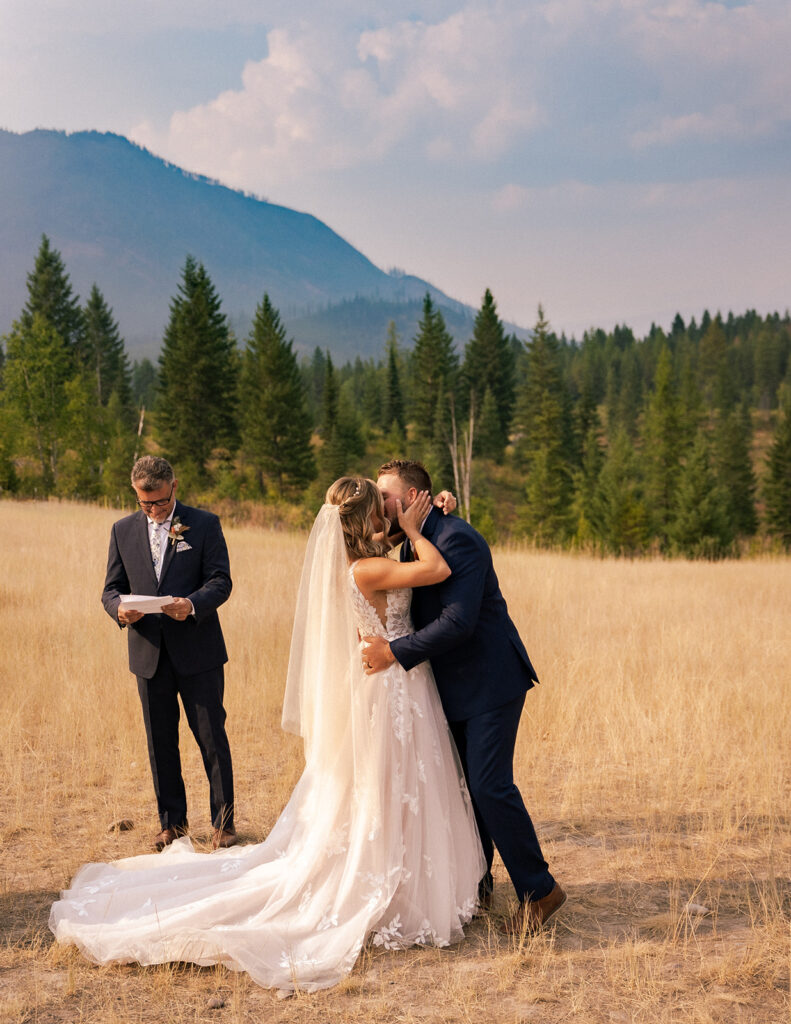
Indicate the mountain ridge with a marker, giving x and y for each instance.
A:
(126, 219)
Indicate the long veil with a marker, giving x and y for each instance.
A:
(324, 658)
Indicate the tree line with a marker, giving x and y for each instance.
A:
(678, 442)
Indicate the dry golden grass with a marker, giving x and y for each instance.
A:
(654, 759)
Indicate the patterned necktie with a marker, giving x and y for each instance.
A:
(155, 541)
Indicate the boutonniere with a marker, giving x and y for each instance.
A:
(177, 530)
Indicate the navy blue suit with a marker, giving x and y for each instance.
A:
(483, 673)
(172, 659)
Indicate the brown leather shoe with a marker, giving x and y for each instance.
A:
(168, 836)
(530, 918)
(223, 838)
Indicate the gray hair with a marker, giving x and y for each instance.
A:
(150, 473)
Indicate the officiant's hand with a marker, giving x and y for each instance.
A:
(179, 609)
(126, 617)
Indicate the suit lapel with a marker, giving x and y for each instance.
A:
(170, 547)
(141, 536)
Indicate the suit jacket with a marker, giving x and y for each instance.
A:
(463, 627)
(201, 573)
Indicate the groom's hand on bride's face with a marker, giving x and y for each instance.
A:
(377, 656)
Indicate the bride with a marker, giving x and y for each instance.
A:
(378, 841)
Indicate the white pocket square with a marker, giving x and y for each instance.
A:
(183, 546)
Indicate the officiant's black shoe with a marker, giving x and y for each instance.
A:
(223, 838)
(168, 836)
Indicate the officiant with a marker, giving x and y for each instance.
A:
(169, 549)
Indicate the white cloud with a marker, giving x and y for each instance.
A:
(458, 89)
(723, 70)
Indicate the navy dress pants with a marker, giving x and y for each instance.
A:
(486, 747)
(202, 696)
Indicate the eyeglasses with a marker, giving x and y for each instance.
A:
(160, 503)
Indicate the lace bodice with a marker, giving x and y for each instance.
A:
(398, 621)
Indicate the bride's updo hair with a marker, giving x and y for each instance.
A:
(358, 500)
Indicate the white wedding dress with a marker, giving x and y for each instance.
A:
(377, 843)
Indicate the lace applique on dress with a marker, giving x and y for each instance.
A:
(402, 705)
(397, 619)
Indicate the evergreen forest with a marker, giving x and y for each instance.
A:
(675, 443)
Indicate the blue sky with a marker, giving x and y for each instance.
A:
(616, 160)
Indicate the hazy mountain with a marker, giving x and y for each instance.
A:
(126, 219)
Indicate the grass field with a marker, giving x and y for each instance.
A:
(655, 759)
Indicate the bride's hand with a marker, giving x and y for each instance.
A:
(445, 501)
(409, 519)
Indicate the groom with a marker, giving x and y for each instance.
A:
(482, 672)
(168, 548)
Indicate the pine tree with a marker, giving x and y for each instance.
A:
(104, 354)
(85, 439)
(50, 295)
(198, 369)
(489, 365)
(437, 455)
(777, 481)
(618, 516)
(690, 402)
(542, 406)
(662, 446)
(341, 430)
(313, 374)
(144, 383)
(37, 369)
(329, 399)
(488, 429)
(118, 454)
(631, 391)
(393, 409)
(372, 399)
(434, 366)
(700, 526)
(544, 444)
(546, 514)
(734, 469)
(584, 485)
(9, 448)
(275, 425)
(768, 367)
(586, 415)
(714, 366)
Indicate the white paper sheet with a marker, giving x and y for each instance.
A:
(144, 602)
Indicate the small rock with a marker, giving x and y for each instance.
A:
(697, 910)
(216, 1003)
(284, 993)
(124, 825)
